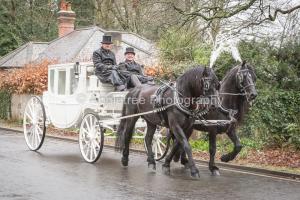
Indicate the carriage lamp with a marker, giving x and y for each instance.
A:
(76, 69)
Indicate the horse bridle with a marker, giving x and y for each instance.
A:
(240, 79)
(206, 84)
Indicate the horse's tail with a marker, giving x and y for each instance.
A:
(126, 126)
(119, 143)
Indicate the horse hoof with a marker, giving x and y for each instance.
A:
(184, 162)
(225, 158)
(176, 158)
(124, 162)
(166, 170)
(186, 166)
(215, 173)
(152, 166)
(195, 175)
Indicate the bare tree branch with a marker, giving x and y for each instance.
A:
(278, 10)
(220, 14)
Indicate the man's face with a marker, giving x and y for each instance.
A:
(107, 46)
(129, 56)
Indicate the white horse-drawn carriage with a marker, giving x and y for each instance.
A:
(75, 98)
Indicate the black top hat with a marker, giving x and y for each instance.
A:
(129, 50)
(106, 39)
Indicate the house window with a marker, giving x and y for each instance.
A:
(62, 82)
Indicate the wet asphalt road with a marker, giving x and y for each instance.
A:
(57, 171)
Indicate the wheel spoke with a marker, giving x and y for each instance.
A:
(97, 144)
(91, 151)
(36, 138)
(39, 131)
(32, 137)
(40, 117)
(87, 124)
(87, 149)
(30, 109)
(29, 116)
(155, 150)
(29, 131)
(91, 122)
(161, 143)
(32, 106)
(85, 131)
(94, 149)
(159, 148)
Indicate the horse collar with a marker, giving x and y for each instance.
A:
(198, 112)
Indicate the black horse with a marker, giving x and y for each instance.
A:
(177, 116)
(236, 92)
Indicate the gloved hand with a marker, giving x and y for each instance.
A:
(122, 66)
(114, 67)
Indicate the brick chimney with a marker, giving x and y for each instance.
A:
(66, 18)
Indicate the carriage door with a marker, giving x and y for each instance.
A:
(64, 110)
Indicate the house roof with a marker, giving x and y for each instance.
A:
(77, 45)
(66, 48)
(23, 55)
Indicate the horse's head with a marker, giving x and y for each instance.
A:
(245, 80)
(210, 82)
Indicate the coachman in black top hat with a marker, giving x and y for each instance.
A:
(133, 70)
(105, 63)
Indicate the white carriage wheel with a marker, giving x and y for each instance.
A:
(91, 138)
(34, 123)
(160, 144)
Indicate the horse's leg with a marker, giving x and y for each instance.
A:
(237, 146)
(148, 138)
(166, 166)
(177, 155)
(212, 152)
(182, 139)
(184, 161)
(127, 134)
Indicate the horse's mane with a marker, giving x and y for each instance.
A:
(193, 78)
(233, 71)
(193, 73)
(230, 73)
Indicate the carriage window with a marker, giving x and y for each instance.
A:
(61, 82)
(52, 81)
(73, 83)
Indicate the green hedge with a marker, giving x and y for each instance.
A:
(5, 102)
(275, 118)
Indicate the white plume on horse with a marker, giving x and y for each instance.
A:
(225, 43)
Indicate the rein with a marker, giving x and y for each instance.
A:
(140, 114)
(233, 94)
